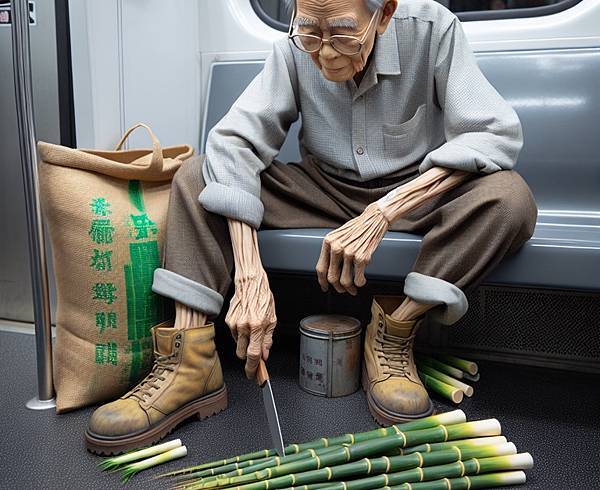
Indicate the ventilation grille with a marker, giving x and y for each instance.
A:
(545, 327)
(531, 324)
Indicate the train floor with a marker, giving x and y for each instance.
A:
(554, 415)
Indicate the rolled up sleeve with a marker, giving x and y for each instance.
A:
(483, 132)
(248, 138)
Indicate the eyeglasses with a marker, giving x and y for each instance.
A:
(347, 45)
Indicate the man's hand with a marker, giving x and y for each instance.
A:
(347, 251)
(351, 245)
(251, 316)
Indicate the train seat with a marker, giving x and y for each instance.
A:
(558, 112)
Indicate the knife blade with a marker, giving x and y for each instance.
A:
(262, 378)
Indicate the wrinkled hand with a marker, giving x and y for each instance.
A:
(347, 251)
(251, 318)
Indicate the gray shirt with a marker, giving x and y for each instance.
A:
(423, 98)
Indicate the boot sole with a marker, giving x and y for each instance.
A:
(202, 407)
(384, 417)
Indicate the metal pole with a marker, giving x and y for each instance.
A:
(37, 250)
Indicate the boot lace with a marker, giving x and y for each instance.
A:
(395, 351)
(162, 363)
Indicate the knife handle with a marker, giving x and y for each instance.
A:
(262, 375)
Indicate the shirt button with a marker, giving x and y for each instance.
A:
(360, 150)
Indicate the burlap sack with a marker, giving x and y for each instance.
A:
(106, 214)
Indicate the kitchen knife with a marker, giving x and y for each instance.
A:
(262, 378)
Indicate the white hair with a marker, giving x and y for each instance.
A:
(372, 5)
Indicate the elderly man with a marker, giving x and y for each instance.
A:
(400, 131)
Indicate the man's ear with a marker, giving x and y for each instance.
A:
(388, 11)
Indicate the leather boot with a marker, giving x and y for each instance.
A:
(185, 380)
(389, 375)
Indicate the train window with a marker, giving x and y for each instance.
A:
(276, 13)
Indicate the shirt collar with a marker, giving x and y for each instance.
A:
(387, 52)
(386, 59)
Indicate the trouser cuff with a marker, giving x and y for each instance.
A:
(188, 292)
(452, 302)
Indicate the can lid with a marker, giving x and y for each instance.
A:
(330, 324)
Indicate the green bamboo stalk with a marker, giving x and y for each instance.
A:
(344, 454)
(207, 475)
(341, 454)
(474, 482)
(434, 373)
(470, 434)
(425, 448)
(268, 463)
(447, 391)
(380, 465)
(520, 461)
(115, 463)
(440, 366)
(472, 379)
(244, 467)
(469, 367)
(447, 418)
(220, 470)
(474, 466)
(133, 468)
(461, 443)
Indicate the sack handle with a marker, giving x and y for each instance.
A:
(156, 163)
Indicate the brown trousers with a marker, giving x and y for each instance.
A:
(466, 231)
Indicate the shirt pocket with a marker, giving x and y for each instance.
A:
(407, 139)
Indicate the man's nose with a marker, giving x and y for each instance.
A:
(327, 52)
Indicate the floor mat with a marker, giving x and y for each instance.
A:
(554, 415)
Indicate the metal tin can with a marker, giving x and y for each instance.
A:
(330, 354)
